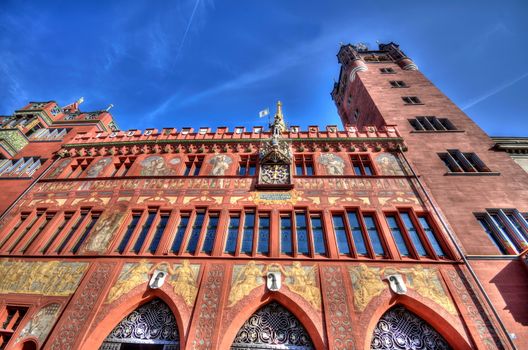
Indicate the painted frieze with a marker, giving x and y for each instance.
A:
(98, 167)
(51, 278)
(367, 284)
(104, 230)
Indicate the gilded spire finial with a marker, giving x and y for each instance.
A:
(278, 125)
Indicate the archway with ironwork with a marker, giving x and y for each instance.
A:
(151, 326)
(400, 329)
(272, 327)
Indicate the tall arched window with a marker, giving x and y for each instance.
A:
(272, 327)
(152, 326)
(400, 329)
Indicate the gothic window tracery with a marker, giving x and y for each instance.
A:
(272, 327)
(400, 329)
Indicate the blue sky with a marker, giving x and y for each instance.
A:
(215, 63)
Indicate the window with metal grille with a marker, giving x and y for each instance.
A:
(459, 162)
(358, 234)
(415, 235)
(362, 165)
(387, 70)
(506, 228)
(431, 123)
(304, 165)
(247, 166)
(398, 84)
(411, 100)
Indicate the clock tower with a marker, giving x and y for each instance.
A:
(275, 157)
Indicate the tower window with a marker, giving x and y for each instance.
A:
(506, 228)
(458, 162)
(431, 123)
(398, 84)
(387, 70)
(411, 100)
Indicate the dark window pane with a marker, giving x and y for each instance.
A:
(431, 236)
(252, 169)
(158, 234)
(195, 233)
(71, 233)
(286, 235)
(188, 167)
(309, 169)
(182, 227)
(492, 236)
(298, 169)
(398, 236)
(302, 233)
(232, 234)
(144, 231)
(368, 170)
(413, 233)
(36, 233)
(56, 233)
(318, 235)
(263, 236)
(355, 228)
(210, 235)
(341, 235)
(500, 225)
(130, 229)
(247, 238)
(85, 234)
(374, 235)
(357, 170)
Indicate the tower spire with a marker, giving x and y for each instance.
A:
(278, 125)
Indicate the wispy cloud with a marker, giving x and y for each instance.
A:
(494, 91)
(187, 29)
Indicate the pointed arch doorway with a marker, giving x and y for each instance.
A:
(272, 327)
(400, 329)
(152, 326)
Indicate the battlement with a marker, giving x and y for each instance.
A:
(239, 134)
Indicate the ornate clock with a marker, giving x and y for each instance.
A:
(275, 174)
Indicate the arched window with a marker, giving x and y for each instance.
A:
(150, 327)
(272, 327)
(400, 329)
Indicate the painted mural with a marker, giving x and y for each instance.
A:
(40, 324)
(58, 169)
(334, 164)
(299, 279)
(367, 284)
(104, 230)
(53, 278)
(158, 166)
(220, 163)
(183, 277)
(388, 164)
(98, 167)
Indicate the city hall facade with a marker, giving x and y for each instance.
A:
(403, 228)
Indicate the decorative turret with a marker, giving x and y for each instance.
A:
(398, 56)
(275, 156)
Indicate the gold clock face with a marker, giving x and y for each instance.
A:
(275, 174)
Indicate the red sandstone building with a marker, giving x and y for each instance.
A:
(403, 229)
